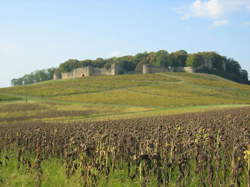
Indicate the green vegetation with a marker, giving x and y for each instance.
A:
(8, 98)
(59, 124)
(121, 97)
(35, 77)
(221, 65)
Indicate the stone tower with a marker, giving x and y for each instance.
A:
(145, 69)
(56, 76)
(88, 71)
(114, 69)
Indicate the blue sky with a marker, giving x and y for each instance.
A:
(37, 34)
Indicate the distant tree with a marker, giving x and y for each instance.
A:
(194, 60)
(126, 63)
(233, 66)
(140, 57)
(34, 77)
(244, 76)
(178, 58)
(99, 63)
(135, 63)
(162, 58)
(69, 65)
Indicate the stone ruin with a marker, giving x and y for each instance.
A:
(114, 70)
(88, 71)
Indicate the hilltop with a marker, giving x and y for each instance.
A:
(141, 63)
(122, 96)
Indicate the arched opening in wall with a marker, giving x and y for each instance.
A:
(83, 75)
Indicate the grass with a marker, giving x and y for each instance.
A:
(53, 174)
(106, 98)
(119, 97)
(6, 98)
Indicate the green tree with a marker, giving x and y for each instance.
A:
(162, 58)
(69, 65)
(194, 60)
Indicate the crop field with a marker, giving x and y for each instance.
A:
(199, 149)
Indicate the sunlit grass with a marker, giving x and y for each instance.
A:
(120, 97)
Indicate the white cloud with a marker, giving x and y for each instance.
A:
(211, 9)
(217, 23)
(216, 10)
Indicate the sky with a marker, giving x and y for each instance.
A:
(37, 34)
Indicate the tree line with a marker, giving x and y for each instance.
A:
(160, 58)
(34, 77)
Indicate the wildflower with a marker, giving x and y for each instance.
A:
(247, 155)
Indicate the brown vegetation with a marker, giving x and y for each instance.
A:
(201, 149)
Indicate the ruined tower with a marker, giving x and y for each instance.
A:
(88, 71)
(56, 76)
(145, 69)
(114, 69)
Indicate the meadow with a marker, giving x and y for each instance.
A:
(123, 96)
(166, 129)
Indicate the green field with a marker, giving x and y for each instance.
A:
(46, 122)
(120, 97)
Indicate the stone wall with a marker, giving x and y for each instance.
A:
(89, 71)
(114, 70)
(153, 69)
(100, 71)
(56, 76)
(82, 72)
(68, 75)
(189, 69)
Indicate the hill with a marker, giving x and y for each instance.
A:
(156, 62)
(122, 96)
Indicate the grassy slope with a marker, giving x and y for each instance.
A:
(123, 96)
(6, 98)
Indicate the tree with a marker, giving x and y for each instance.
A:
(126, 63)
(69, 65)
(233, 66)
(244, 75)
(140, 57)
(194, 60)
(135, 63)
(162, 58)
(178, 58)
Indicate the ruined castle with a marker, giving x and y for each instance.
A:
(115, 70)
(88, 71)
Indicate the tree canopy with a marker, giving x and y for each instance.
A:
(34, 77)
(160, 58)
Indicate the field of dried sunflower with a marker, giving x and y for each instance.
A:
(200, 149)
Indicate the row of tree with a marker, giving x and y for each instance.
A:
(34, 77)
(223, 66)
(130, 63)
